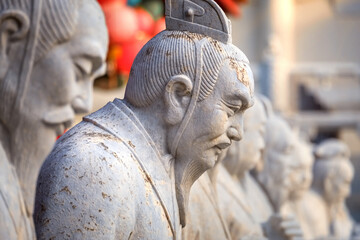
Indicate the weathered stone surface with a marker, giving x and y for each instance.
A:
(126, 170)
(51, 50)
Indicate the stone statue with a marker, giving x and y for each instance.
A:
(278, 169)
(126, 170)
(50, 51)
(245, 206)
(333, 173)
(300, 203)
(243, 203)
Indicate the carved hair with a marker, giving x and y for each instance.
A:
(171, 53)
(57, 24)
(329, 154)
(15, 4)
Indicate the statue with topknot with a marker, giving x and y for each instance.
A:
(46, 74)
(125, 171)
(333, 174)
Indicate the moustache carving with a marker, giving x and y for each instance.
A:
(59, 115)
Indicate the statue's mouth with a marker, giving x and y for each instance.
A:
(60, 129)
(61, 118)
(221, 146)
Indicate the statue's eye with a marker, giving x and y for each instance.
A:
(231, 108)
(82, 67)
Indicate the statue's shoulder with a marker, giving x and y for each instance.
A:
(87, 183)
(86, 151)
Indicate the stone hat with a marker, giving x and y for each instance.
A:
(198, 16)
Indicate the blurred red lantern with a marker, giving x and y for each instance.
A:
(102, 2)
(160, 25)
(121, 21)
(129, 51)
(230, 6)
(145, 21)
(242, 1)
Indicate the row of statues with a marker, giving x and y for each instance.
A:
(166, 162)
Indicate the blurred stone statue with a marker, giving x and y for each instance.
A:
(204, 205)
(125, 171)
(276, 177)
(333, 173)
(50, 51)
(300, 203)
(243, 203)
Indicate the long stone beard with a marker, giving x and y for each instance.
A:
(28, 152)
(186, 173)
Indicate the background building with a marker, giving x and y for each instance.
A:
(306, 58)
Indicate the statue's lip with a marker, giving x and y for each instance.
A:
(223, 145)
(62, 115)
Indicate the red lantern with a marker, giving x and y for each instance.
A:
(230, 6)
(145, 21)
(121, 21)
(102, 2)
(159, 26)
(129, 52)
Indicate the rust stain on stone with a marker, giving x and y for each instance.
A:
(149, 51)
(240, 72)
(104, 195)
(131, 144)
(66, 189)
(216, 45)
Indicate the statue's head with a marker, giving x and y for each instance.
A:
(333, 170)
(278, 160)
(242, 156)
(301, 175)
(200, 81)
(51, 50)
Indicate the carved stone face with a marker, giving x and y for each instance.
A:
(243, 156)
(278, 160)
(338, 181)
(61, 82)
(217, 120)
(301, 170)
(253, 144)
(60, 86)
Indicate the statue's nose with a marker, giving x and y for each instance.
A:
(83, 100)
(81, 104)
(235, 133)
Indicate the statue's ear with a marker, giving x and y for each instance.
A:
(177, 98)
(14, 25)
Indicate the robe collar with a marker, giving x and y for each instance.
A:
(117, 119)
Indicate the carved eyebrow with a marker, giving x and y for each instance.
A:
(245, 98)
(94, 54)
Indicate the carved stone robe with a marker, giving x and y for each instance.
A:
(106, 180)
(204, 221)
(310, 211)
(239, 209)
(14, 222)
